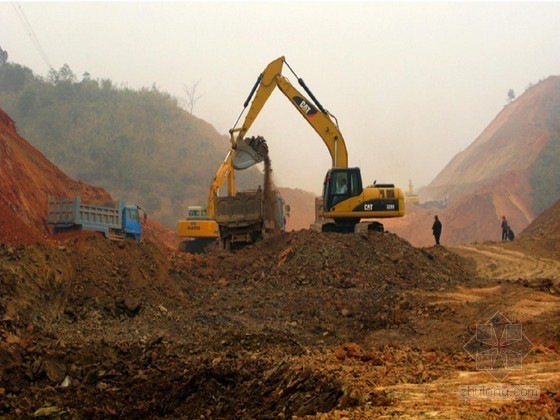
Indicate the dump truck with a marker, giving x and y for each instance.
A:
(243, 218)
(115, 221)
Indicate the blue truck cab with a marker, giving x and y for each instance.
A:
(131, 222)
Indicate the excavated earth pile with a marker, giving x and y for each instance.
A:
(298, 325)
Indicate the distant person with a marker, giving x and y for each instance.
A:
(510, 234)
(505, 226)
(436, 229)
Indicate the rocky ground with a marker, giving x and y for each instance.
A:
(301, 325)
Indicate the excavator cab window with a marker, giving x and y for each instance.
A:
(196, 212)
(341, 184)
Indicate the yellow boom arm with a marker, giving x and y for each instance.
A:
(225, 171)
(312, 111)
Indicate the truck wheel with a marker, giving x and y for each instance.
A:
(257, 236)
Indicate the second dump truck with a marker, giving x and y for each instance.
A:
(246, 217)
(117, 221)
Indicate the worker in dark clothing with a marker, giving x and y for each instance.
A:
(504, 228)
(436, 229)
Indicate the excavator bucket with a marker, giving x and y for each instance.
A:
(249, 152)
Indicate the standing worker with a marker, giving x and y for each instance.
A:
(504, 228)
(436, 229)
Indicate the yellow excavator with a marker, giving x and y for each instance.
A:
(199, 231)
(345, 199)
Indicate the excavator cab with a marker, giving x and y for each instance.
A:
(341, 184)
(347, 201)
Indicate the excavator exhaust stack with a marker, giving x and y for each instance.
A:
(248, 152)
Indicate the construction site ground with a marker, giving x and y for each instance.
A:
(304, 325)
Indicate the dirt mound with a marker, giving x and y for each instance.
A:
(341, 285)
(83, 276)
(547, 224)
(300, 324)
(542, 236)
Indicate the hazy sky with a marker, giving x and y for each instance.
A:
(411, 83)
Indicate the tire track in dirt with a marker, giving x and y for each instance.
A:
(493, 261)
(442, 397)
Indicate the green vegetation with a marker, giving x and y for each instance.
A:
(138, 144)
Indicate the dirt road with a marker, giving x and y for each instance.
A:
(516, 284)
(497, 262)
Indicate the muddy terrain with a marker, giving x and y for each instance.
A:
(301, 325)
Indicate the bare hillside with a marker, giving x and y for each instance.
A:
(512, 141)
(502, 173)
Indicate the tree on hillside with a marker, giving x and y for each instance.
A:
(14, 77)
(3, 56)
(192, 97)
(65, 74)
(511, 96)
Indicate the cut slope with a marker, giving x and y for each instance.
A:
(512, 141)
(494, 176)
(547, 224)
(27, 178)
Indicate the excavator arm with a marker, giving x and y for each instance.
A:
(313, 112)
(225, 171)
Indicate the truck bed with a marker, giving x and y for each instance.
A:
(68, 212)
(244, 208)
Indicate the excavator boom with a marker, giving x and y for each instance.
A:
(319, 118)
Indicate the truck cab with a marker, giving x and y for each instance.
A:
(131, 222)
